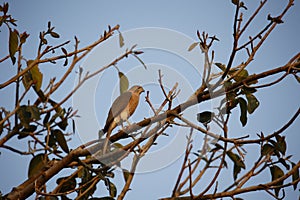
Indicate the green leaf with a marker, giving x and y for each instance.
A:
(67, 185)
(236, 171)
(28, 113)
(63, 124)
(248, 90)
(253, 103)
(192, 46)
(86, 178)
(276, 172)
(126, 174)
(218, 147)
(34, 111)
(60, 138)
(281, 144)
(37, 76)
(267, 149)
(24, 116)
(238, 163)
(23, 134)
(236, 159)
(13, 44)
(121, 40)
(295, 176)
(229, 106)
(221, 66)
(240, 76)
(276, 148)
(54, 34)
(283, 162)
(205, 117)
(228, 84)
(243, 107)
(27, 80)
(231, 101)
(118, 145)
(26, 131)
(36, 164)
(112, 190)
(60, 112)
(124, 83)
(51, 141)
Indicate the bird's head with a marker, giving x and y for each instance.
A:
(137, 89)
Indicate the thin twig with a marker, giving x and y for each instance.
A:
(225, 129)
(147, 99)
(190, 180)
(188, 149)
(87, 77)
(262, 3)
(39, 60)
(5, 58)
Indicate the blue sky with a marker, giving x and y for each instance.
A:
(87, 20)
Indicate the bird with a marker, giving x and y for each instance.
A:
(122, 108)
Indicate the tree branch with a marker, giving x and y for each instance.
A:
(241, 190)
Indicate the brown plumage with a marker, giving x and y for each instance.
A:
(122, 108)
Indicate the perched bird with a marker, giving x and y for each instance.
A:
(122, 108)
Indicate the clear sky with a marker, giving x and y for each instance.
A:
(181, 19)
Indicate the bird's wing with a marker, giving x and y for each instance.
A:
(117, 107)
(134, 101)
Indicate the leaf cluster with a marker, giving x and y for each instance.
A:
(243, 96)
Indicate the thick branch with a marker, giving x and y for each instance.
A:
(27, 188)
(196, 99)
